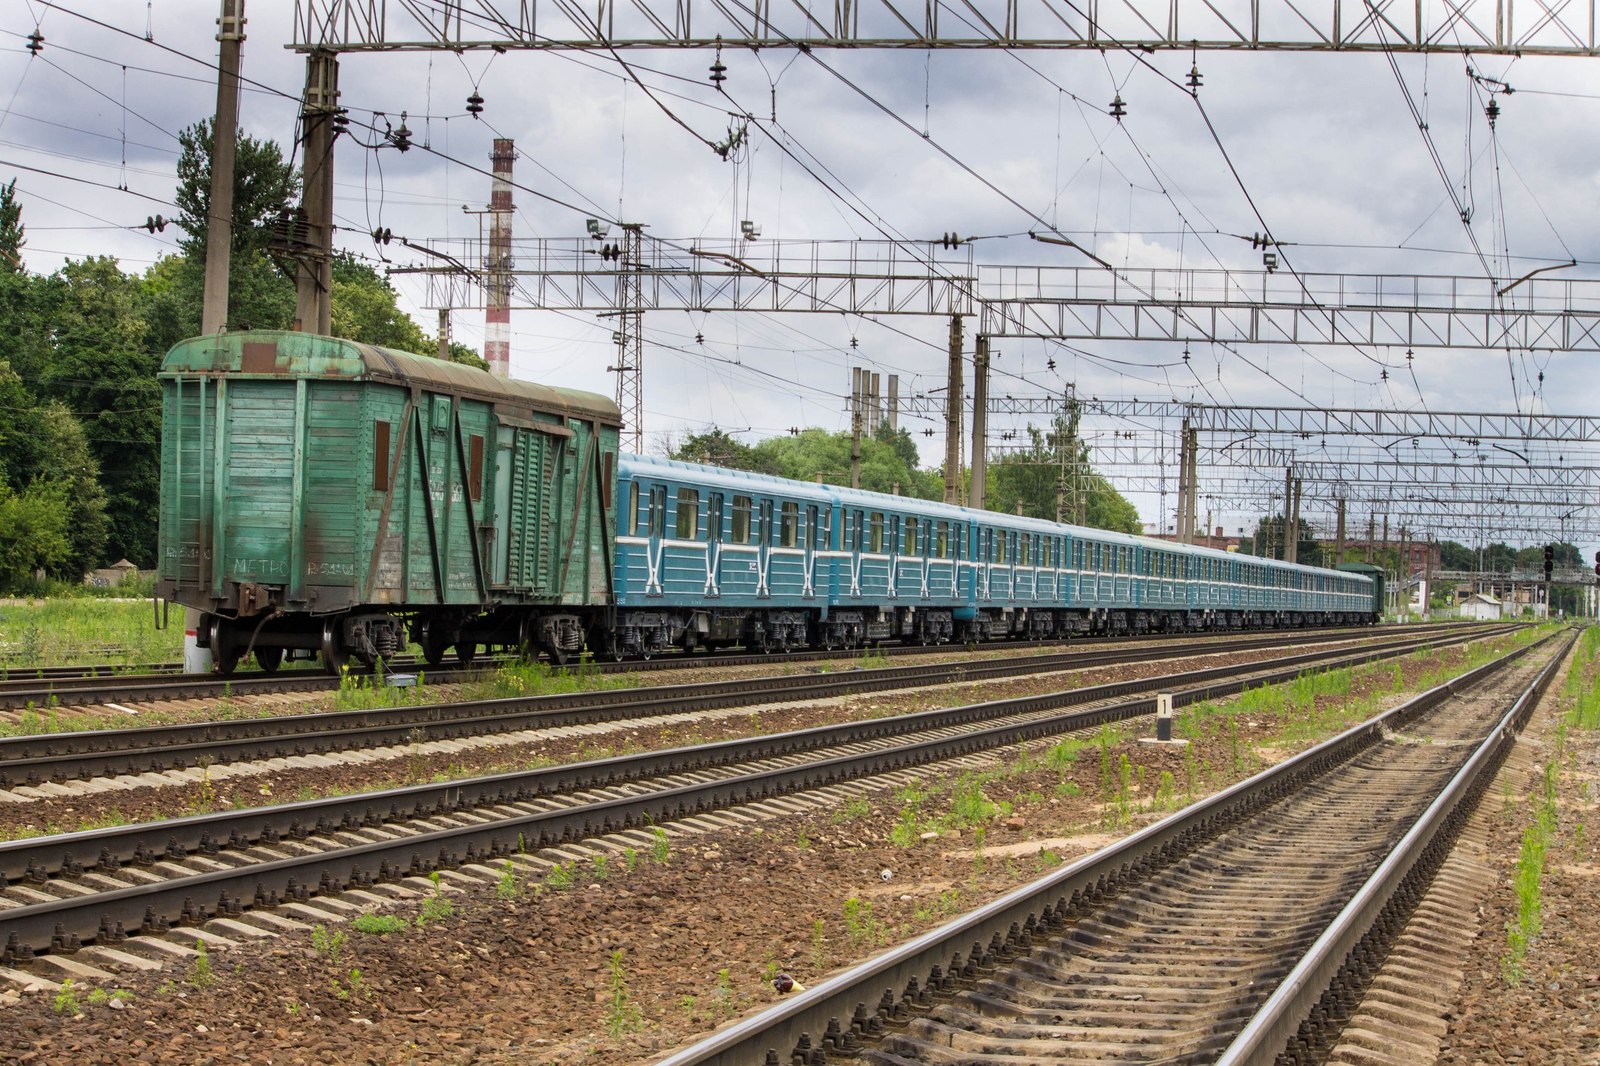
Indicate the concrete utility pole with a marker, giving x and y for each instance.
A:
(1183, 484)
(1288, 511)
(856, 374)
(224, 141)
(980, 421)
(1293, 543)
(952, 417)
(444, 333)
(313, 304)
(1338, 554)
(219, 239)
(894, 402)
(1193, 509)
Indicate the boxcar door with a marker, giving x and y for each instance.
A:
(498, 521)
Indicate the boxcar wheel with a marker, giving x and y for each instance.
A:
(335, 656)
(269, 659)
(433, 648)
(224, 653)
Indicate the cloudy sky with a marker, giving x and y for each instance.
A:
(1321, 148)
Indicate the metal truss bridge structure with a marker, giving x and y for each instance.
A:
(874, 278)
(1483, 26)
(1538, 475)
(1534, 313)
(1476, 477)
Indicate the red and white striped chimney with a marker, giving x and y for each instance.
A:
(497, 312)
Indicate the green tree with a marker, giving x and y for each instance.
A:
(11, 229)
(717, 448)
(816, 452)
(33, 532)
(42, 444)
(103, 371)
(73, 467)
(21, 431)
(264, 186)
(364, 309)
(460, 353)
(1453, 556)
(1268, 541)
(1053, 461)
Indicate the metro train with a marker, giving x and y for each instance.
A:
(321, 497)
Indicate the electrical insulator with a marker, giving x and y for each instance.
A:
(1194, 78)
(475, 104)
(382, 235)
(401, 138)
(156, 224)
(951, 240)
(1493, 111)
(35, 41)
(341, 121)
(719, 73)
(1118, 108)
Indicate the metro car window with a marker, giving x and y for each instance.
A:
(789, 525)
(741, 520)
(688, 514)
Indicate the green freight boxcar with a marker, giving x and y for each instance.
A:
(1376, 573)
(320, 496)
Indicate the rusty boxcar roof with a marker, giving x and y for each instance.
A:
(288, 354)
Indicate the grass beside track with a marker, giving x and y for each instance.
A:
(90, 630)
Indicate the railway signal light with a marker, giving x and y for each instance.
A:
(1597, 564)
(1549, 560)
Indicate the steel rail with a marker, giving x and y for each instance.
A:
(93, 753)
(1285, 1021)
(36, 858)
(836, 1015)
(106, 916)
(100, 684)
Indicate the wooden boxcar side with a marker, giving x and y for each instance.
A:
(325, 495)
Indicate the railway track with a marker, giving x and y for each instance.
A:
(1242, 929)
(100, 886)
(35, 759)
(77, 686)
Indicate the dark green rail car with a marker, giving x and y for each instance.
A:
(1376, 573)
(319, 495)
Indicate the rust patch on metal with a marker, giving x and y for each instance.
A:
(259, 357)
